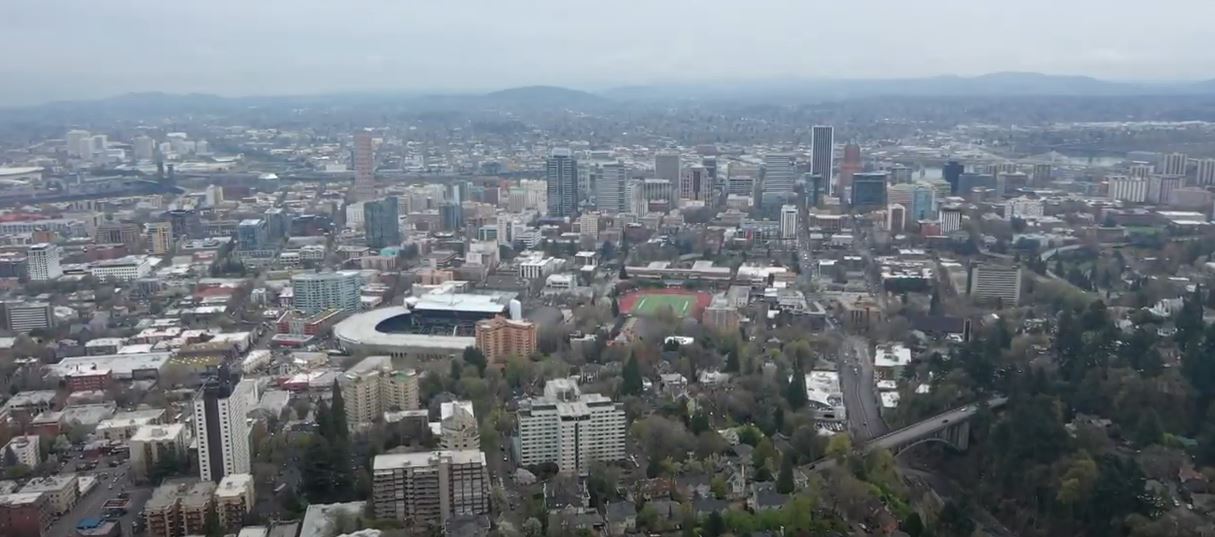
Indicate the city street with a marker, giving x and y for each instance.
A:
(856, 382)
(855, 366)
(90, 504)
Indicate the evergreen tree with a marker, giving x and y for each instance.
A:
(474, 357)
(795, 392)
(1189, 320)
(211, 527)
(631, 377)
(732, 365)
(324, 420)
(317, 466)
(1198, 366)
(913, 525)
(784, 480)
(1069, 342)
(715, 525)
(337, 414)
(1149, 430)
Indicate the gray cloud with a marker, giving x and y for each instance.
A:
(83, 48)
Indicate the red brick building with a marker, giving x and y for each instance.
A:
(88, 379)
(24, 514)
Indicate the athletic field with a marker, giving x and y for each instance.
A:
(652, 304)
(648, 302)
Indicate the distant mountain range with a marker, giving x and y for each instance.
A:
(990, 85)
(785, 90)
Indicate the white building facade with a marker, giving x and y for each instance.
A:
(569, 428)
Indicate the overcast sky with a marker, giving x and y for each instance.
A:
(54, 49)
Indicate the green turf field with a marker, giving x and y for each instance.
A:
(652, 304)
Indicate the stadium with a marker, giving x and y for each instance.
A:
(681, 302)
(431, 326)
(379, 332)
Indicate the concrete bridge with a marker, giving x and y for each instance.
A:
(951, 428)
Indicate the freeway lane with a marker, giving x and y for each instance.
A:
(860, 398)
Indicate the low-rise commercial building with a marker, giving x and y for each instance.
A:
(62, 491)
(123, 425)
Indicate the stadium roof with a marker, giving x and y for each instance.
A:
(461, 302)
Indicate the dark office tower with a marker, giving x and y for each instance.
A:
(814, 189)
(969, 181)
(822, 139)
(186, 223)
(1042, 174)
(715, 186)
(457, 192)
(952, 172)
(851, 165)
(452, 216)
(561, 172)
(363, 160)
(380, 223)
(666, 166)
(694, 184)
(278, 224)
(868, 191)
(251, 234)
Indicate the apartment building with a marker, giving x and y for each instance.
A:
(221, 427)
(500, 338)
(569, 428)
(151, 443)
(234, 498)
(430, 487)
(178, 509)
(62, 491)
(372, 387)
(992, 282)
(458, 428)
(24, 515)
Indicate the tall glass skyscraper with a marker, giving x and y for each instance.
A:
(561, 173)
(822, 141)
(381, 224)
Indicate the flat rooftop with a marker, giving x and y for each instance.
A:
(121, 365)
(463, 302)
(392, 461)
(158, 433)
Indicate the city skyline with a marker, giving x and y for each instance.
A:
(481, 47)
